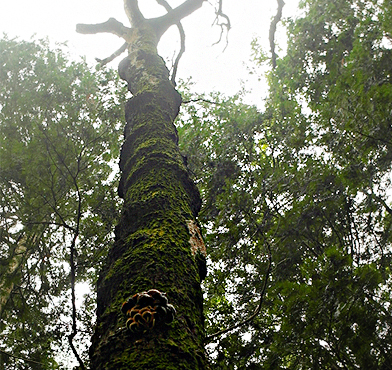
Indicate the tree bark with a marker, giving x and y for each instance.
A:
(157, 243)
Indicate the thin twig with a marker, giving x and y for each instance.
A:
(73, 299)
(20, 358)
(258, 309)
(223, 25)
(201, 100)
(383, 202)
(49, 223)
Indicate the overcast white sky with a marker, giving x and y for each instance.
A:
(209, 66)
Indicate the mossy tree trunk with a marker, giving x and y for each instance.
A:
(158, 244)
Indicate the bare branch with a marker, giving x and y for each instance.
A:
(165, 4)
(182, 50)
(161, 24)
(117, 53)
(49, 223)
(225, 25)
(272, 31)
(110, 26)
(133, 12)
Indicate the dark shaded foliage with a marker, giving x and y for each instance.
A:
(313, 173)
(59, 125)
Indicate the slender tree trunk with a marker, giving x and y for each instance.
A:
(19, 255)
(6, 280)
(158, 244)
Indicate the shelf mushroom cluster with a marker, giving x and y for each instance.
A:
(146, 309)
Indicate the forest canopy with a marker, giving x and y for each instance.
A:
(296, 210)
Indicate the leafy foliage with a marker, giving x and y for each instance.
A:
(60, 125)
(309, 177)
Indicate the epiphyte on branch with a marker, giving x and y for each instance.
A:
(146, 309)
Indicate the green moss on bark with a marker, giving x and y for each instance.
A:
(152, 248)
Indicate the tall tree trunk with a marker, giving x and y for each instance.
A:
(158, 244)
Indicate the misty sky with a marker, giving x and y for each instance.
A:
(210, 67)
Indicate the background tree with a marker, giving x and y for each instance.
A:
(59, 134)
(307, 180)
